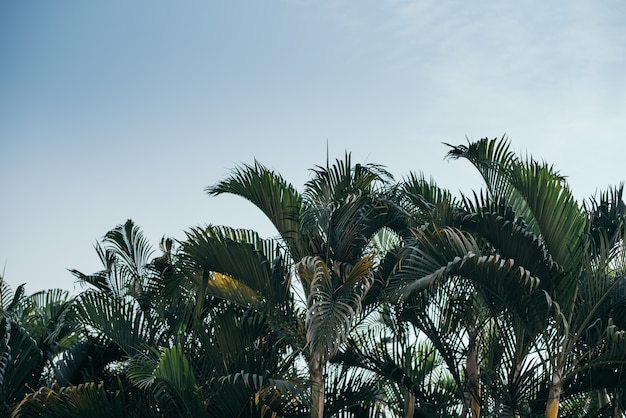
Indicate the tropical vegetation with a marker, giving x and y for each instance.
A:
(376, 297)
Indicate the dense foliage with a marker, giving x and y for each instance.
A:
(376, 298)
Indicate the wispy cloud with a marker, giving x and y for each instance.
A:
(488, 42)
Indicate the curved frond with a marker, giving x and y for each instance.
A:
(332, 307)
(130, 247)
(89, 399)
(21, 363)
(492, 158)
(120, 320)
(239, 269)
(554, 210)
(276, 198)
(334, 182)
(431, 203)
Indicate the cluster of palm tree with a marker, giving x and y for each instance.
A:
(376, 298)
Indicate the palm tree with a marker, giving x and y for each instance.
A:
(34, 331)
(581, 270)
(168, 348)
(454, 303)
(326, 232)
(569, 259)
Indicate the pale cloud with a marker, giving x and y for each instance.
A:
(495, 39)
(552, 75)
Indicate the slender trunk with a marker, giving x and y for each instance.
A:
(515, 382)
(316, 371)
(409, 405)
(603, 398)
(554, 395)
(472, 383)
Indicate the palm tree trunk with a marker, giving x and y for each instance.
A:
(603, 398)
(316, 371)
(409, 405)
(554, 395)
(472, 384)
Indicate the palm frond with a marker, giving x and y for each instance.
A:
(351, 390)
(130, 247)
(447, 252)
(508, 234)
(334, 182)
(606, 213)
(21, 363)
(332, 308)
(431, 203)
(89, 399)
(554, 210)
(276, 198)
(120, 320)
(239, 268)
(172, 381)
(244, 394)
(85, 361)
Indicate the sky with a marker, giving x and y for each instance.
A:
(123, 110)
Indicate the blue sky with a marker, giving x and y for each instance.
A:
(115, 110)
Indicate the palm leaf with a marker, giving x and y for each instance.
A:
(492, 159)
(89, 399)
(276, 198)
(240, 269)
(332, 308)
(130, 247)
(559, 218)
(21, 363)
(430, 203)
(120, 320)
(447, 252)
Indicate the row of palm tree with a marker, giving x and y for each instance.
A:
(375, 298)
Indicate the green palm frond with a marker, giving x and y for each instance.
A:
(247, 341)
(245, 394)
(333, 227)
(605, 355)
(430, 203)
(332, 307)
(429, 252)
(47, 316)
(10, 301)
(492, 158)
(86, 361)
(442, 314)
(513, 179)
(276, 198)
(334, 182)
(171, 379)
(131, 248)
(240, 269)
(89, 399)
(406, 364)
(351, 390)
(120, 320)
(128, 270)
(100, 280)
(606, 213)
(447, 252)
(555, 211)
(508, 234)
(384, 241)
(21, 363)
(345, 206)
